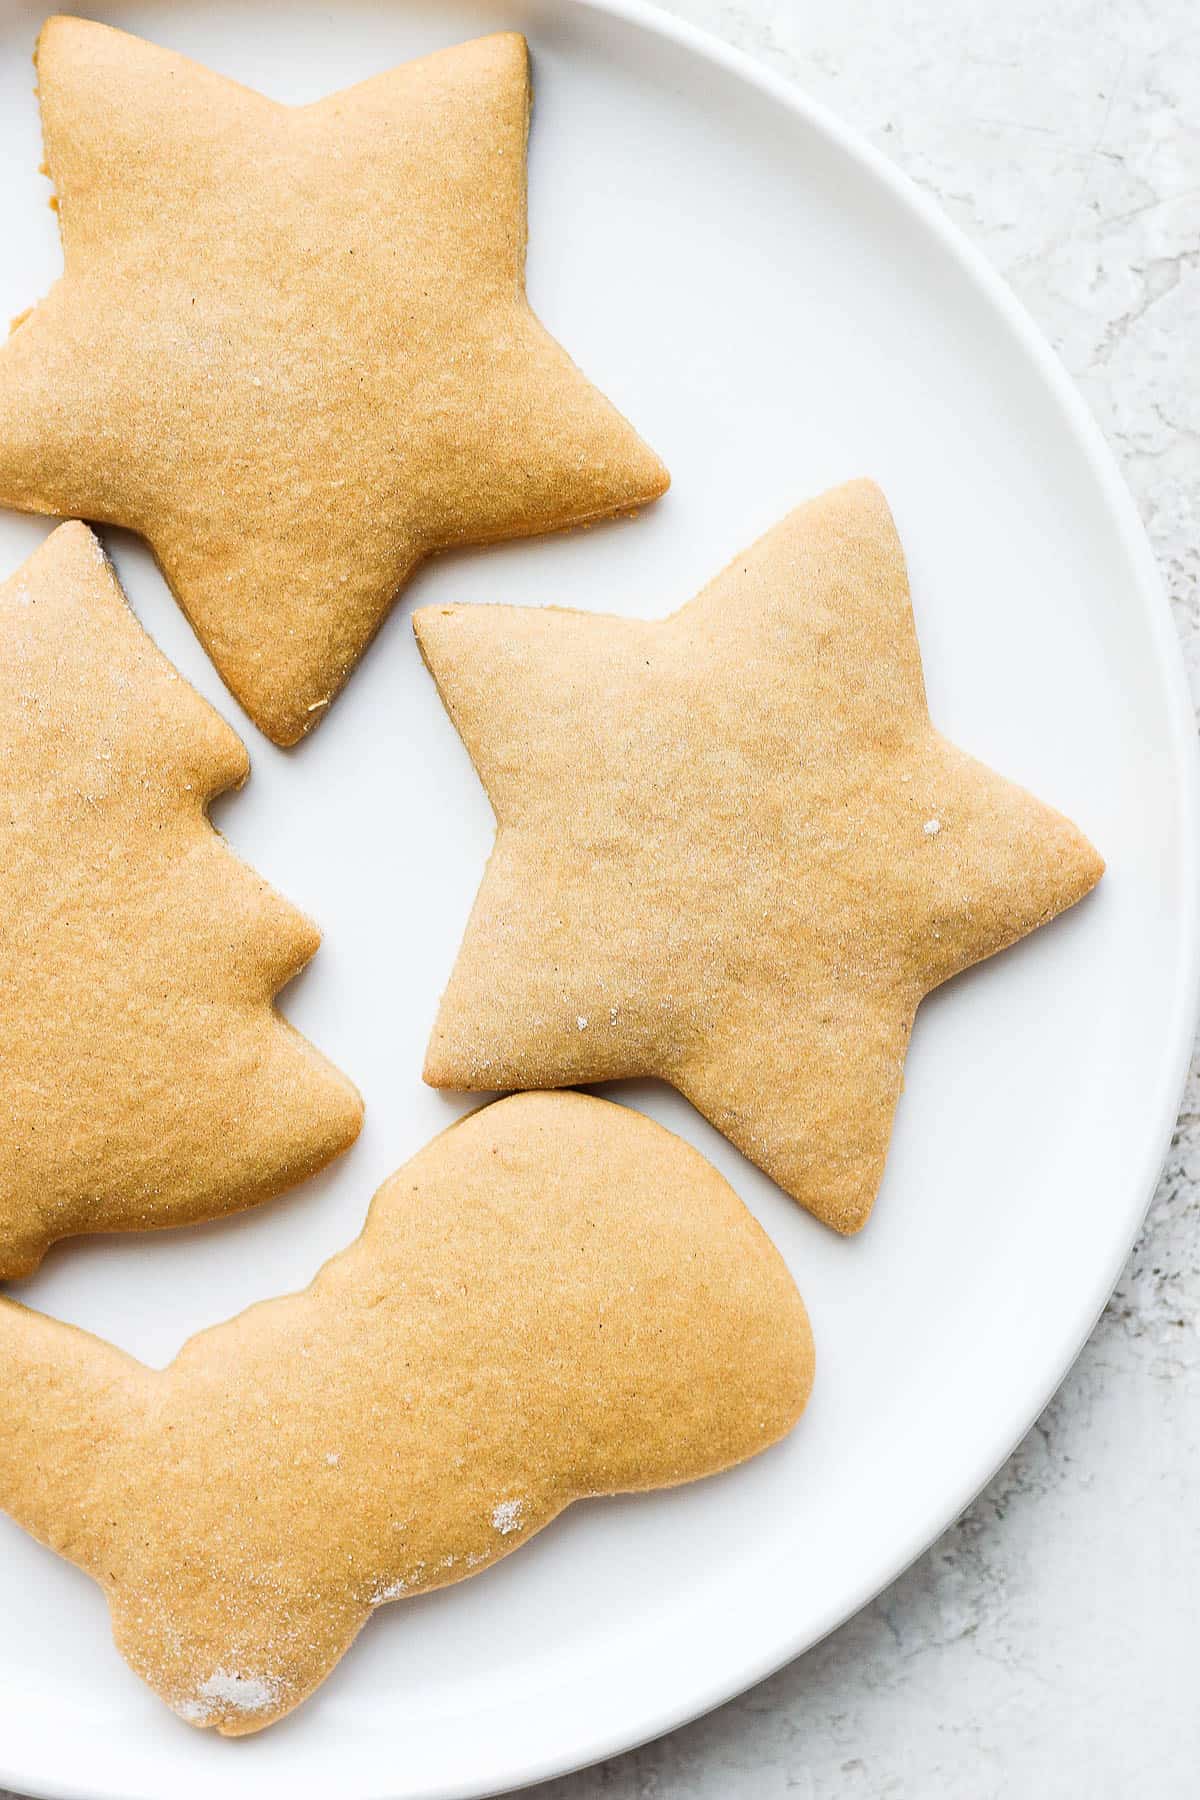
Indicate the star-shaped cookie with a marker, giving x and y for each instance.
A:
(291, 347)
(147, 1079)
(733, 851)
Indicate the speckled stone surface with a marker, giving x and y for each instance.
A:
(1045, 1649)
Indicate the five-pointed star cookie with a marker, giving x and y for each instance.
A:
(291, 347)
(732, 850)
(147, 1079)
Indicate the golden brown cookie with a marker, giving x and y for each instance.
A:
(732, 850)
(556, 1299)
(292, 348)
(147, 1079)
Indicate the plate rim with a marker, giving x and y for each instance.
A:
(1178, 1037)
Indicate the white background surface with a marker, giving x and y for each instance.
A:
(1020, 1655)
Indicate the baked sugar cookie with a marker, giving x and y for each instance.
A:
(732, 850)
(555, 1299)
(291, 347)
(147, 1079)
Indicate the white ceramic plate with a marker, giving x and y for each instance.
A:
(776, 310)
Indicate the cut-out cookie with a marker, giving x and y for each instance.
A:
(147, 1079)
(732, 851)
(291, 347)
(555, 1299)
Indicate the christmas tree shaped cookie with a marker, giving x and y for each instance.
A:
(292, 348)
(732, 850)
(147, 1078)
(556, 1299)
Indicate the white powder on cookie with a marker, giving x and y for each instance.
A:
(506, 1516)
(394, 1590)
(227, 1691)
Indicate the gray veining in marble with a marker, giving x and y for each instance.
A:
(1046, 1648)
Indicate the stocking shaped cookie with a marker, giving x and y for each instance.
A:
(147, 1079)
(291, 347)
(732, 850)
(556, 1299)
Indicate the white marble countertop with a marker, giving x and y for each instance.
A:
(1046, 1647)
